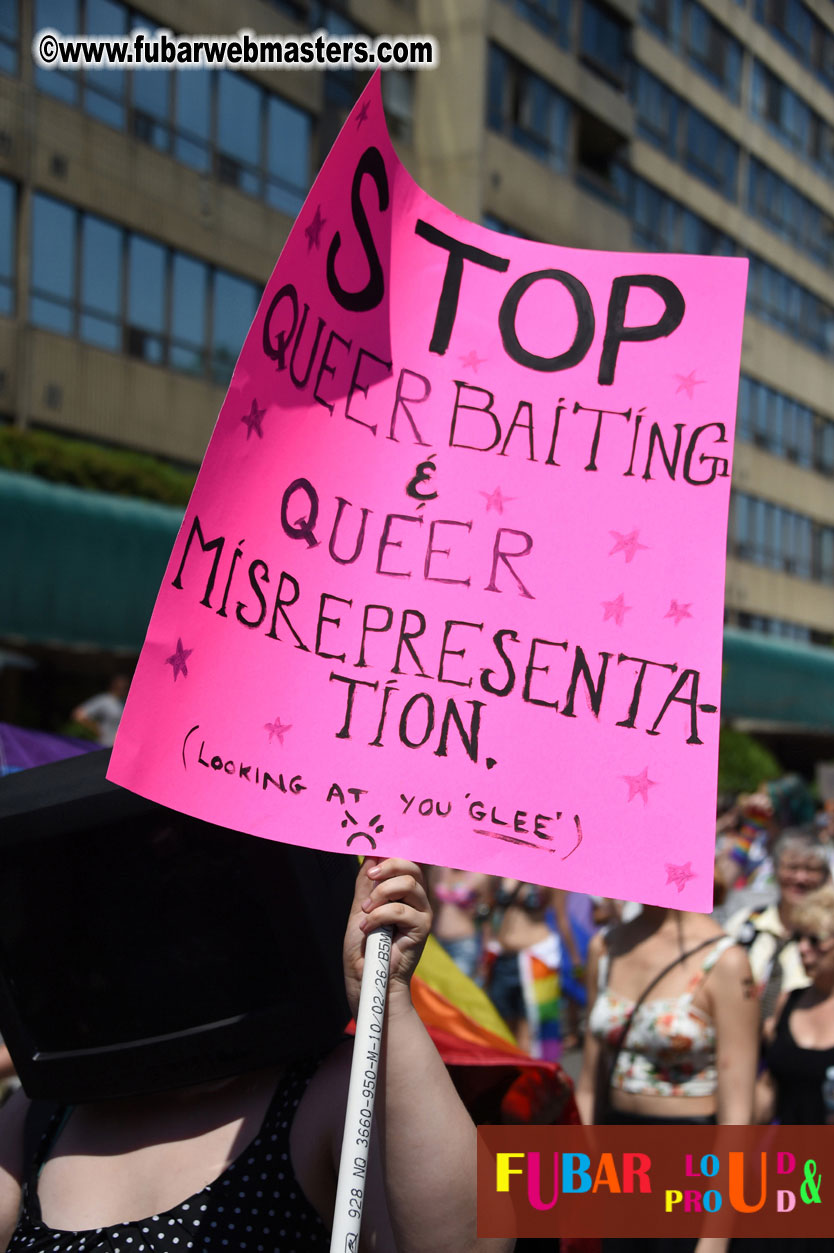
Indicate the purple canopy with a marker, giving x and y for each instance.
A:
(21, 748)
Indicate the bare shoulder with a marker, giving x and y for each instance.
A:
(731, 982)
(322, 1106)
(733, 964)
(315, 1135)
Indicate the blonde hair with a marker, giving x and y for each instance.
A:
(816, 912)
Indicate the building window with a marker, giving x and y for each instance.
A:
(794, 122)
(293, 8)
(101, 283)
(288, 143)
(119, 290)
(664, 18)
(527, 109)
(65, 16)
(776, 298)
(398, 98)
(775, 626)
(192, 119)
(605, 42)
(551, 17)
(824, 445)
(774, 102)
(146, 288)
(189, 314)
(801, 32)
(710, 154)
(824, 554)
(705, 43)
(780, 539)
(216, 121)
(785, 210)
(658, 112)
(235, 302)
(342, 87)
(498, 224)
(661, 224)
(685, 134)
(776, 423)
(104, 90)
(151, 102)
(700, 236)
(9, 36)
(713, 50)
(8, 245)
(53, 266)
(239, 118)
(654, 218)
(599, 153)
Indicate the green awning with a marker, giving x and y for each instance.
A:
(82, 568)
(777, 682)
(79, 568)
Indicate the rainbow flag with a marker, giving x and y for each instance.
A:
(497, 1082)
(541, 988)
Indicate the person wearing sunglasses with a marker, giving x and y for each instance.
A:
(801, 1045)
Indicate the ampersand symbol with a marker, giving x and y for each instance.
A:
(422, 474)
(810, 1190)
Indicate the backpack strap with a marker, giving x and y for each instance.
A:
(747, 933)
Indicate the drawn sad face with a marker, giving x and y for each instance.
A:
(374, 825)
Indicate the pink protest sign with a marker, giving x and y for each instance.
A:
(450, 583)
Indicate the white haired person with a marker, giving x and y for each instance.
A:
(799, 865)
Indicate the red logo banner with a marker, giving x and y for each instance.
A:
(645, 1181)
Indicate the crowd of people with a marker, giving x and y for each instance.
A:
(682, 1018)
(726, 1018)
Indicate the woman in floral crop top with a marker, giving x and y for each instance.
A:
(688, 1053)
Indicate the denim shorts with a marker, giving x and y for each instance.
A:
(465, 953)
(504, 989)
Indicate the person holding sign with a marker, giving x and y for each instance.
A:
(250, 1161)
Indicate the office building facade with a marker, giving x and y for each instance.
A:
(141, 213)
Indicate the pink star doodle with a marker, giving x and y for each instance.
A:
(680, 875)
(313, 230)
(471, 361)
(496, 500)
(252, 421)
(278, 729)
(362, 115)
(639, 784)
(616, 609)
(626, 544)
(687, 383)
(678, 611)
(178, 659)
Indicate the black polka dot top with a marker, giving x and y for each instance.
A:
(255, 1206)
